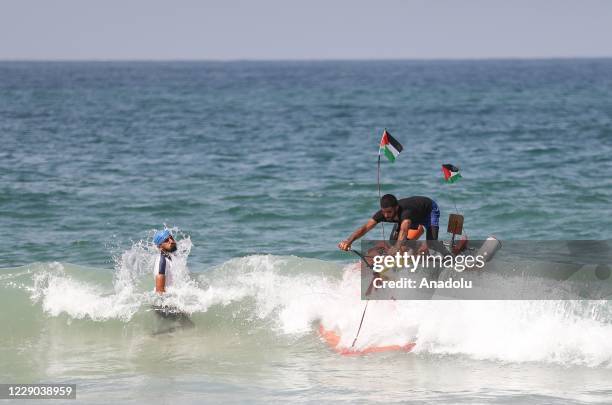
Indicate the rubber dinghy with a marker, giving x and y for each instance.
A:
(333, 340)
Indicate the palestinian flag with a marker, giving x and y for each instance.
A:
(390, 146)
(451, 173)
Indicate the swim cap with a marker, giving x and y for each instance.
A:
(160, 237)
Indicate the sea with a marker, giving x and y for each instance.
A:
(260, 169)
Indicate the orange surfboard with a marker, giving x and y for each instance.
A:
(333, 339)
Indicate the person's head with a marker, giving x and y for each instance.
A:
(164, 241)
(388, 206)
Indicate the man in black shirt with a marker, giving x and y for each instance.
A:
(407, 213)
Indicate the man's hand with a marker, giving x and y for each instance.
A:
(344, 245)
(362, 230)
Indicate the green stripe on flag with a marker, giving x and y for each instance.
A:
(389, 154)
(453, 178)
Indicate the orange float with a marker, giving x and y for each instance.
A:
(333, 340)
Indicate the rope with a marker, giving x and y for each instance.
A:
(360, 323)
(362, 257)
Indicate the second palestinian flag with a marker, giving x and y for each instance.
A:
(451, 173)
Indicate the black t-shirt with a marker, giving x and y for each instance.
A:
(416, 209)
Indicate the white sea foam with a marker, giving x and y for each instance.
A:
(294, 295)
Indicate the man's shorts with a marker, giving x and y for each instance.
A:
(433, 219)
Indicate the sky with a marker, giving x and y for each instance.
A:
(303, 30)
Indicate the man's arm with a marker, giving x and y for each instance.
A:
(160, 277)
(403, 231)
(160, 283)
(362, 230)
(401, 235)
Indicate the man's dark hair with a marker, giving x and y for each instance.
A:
(388, 201)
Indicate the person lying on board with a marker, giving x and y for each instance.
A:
(163, 264)
(408, 215)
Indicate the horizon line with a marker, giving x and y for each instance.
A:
(235, 60)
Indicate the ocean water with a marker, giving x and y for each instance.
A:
(261, 168)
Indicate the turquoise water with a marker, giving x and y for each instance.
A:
(262, 168)
(281, 157)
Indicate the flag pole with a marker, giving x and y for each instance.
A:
(383, 237)
(452, 196)
(378, 183)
